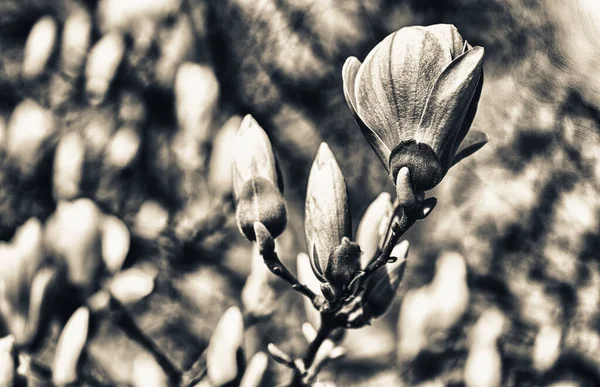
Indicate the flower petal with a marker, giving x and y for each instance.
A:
(394, 81)
(449, 100)
(349, 72)
(448, 36)
(475, 140)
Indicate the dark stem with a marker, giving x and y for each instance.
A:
(327, 326)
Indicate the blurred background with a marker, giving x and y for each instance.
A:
(523, 213)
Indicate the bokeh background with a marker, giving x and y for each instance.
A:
(523, 212)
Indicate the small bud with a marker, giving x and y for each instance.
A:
(151, 219)
(102, 64)
(327, 219)
(343, 265)
(73, 235)
(68, 166)
(7, 361)
(416, 308)
(307, 277)
(372, 227)
(75, 42)
(256, 182)
(427, 206)
(483, 367)
(29, 130)
(69, 347)
(404, 189)
(97, 134)
(255, 370)
(278, 355)
(147, 373)
(123, 148)
(225, 343)
(196, 94)
(131, 285)
(546, 348)
(221, 157)
(38, 48)
(176, 45)
(384, 282)
(258, 296)
(115, 242)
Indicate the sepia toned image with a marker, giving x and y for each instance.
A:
(270, 193)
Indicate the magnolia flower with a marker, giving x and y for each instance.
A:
(415, 97)
(372, 227)
(257, 182)
(334, 258)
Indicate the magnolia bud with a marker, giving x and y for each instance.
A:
(344, 263)
(327, 219)
(115, 242)
(118, 14)
(69, 347)
(39, 47)
(412, 324)
(123, 148)
(151, 219)
(196, 94)
(29, 130)
(223, 352)
(255, 370)
(221, 157)
(75, 41)
(372, 227)
(257, 184)
(68, 165)
(131, 285)
(547, 347)
(483, 367)
(383, 283)
(102, 64)
(147, 373)
(7, 361)
(258, 296)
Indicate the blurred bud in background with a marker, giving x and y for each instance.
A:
(68, 166)
(221, 158)
(123, 148)
(372, 227)
(334, 258)
(28, 136)
(73, 236)
(102, 64)
(25, 285)
(382, 285)
(257, 183)
(151, 219)
(307, 277)
(412, 324)
(224, 355)
(116, 240)
(147, 373)
(122, 15)
(546, 349)
(75, 42)
(39, 47)
(176, 45)
(131, 285)
(69, 347)
(258, 295)
(7, 361)
(255, 370)
(483, 367)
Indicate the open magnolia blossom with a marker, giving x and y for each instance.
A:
(414, 98)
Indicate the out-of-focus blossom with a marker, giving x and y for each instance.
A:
(151, 219)
(221, 158)
(123, 148)
(258, 296)
(96, 134)
(7, 361)
(412, 325)
(483, 367)
(255, 370)
(223, 355)
(69, 347)
(73, 236)
(372, 227)
(131, 285)
(132, 111)
(25, 285)
(307, 277)
(147, 373)
(176, 45)
(38, 48)
(68, 166)
(29, 132)
(547, 347)
(102, 64)
(257, 184)
(115, 242)
(122, 15)
(75, 42)
(415, 97)
(334, 258)
(383, 284)
(196, 93)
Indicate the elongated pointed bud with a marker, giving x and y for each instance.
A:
(102, 64)
(151, 219)
(222, 356)
(196, 93)
(123, 148)
(38, 48)
(257, 185)
(68, 166)
(29, 131)
(413, 323)
(306, 277)
(278, 355)
(258, 296)
(115, 242)
(327, 219)
(131, 285)
(372, 227)
(483, 367)
(75, 42)
(69, 347)
(384, 282)
(7, 361)
(147, 373)
(404, 188)
(546, 349)
(343, 265)
(221, 157)
(255, 370)
(73, 235)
